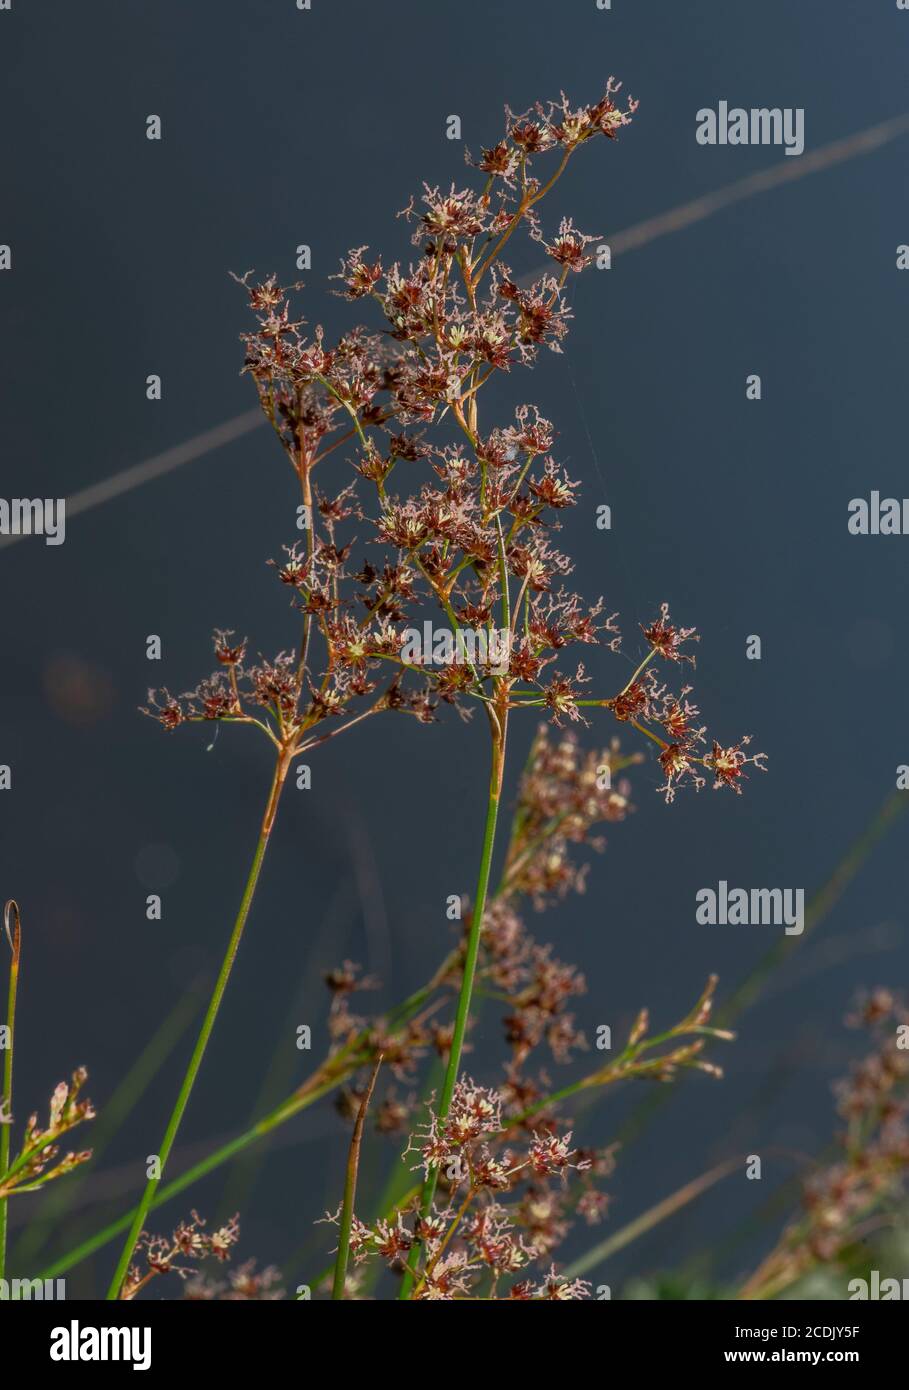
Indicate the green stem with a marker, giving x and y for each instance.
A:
(208, 1023)
(499, 728)
(650, 1219)
(300, 1100)
(15, 940)
(273, 1120)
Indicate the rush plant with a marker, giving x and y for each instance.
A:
(460, 514)
(383, 434)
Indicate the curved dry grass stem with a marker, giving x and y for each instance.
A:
(350, 1187)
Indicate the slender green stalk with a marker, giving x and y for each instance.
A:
(300, 1100)
(208, 1023)
(650, 1218)
(206, 1165)
(350, 1189)
(498, 723)
(277, 1079)
(14, 937)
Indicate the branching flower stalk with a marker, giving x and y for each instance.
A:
(38, 1161)
(561, 795)
(169, 1254)
(479, 524)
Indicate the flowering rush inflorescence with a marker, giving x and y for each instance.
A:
(475, 1233)
(178, 1253)
(463, 517)
(513, 1184)
(473, 530)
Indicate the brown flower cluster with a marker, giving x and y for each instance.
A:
(38, 1160)
(245, 1284)
(179, 1252)
(472, 532)
(508, 1150)
(475, 1237)
(564, 794)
